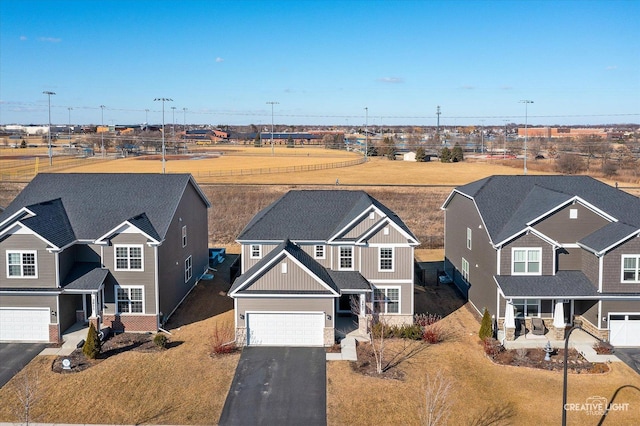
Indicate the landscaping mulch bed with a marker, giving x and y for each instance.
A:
(366, 364)
(534, 358)
(139, 342)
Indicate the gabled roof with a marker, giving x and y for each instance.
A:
(507, 204)
(565, 284)
(85, 276)
(85, 206)
(313, 215)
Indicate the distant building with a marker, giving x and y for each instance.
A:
(560, 132)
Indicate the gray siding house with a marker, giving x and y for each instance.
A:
(313, 257)
(561, 248)
(119, 250)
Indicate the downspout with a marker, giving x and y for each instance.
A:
(157, 286)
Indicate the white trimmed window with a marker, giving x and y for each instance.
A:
(385, 259)
(22, 264)
(256, 251)
(128, 257)
(469, 238)
(386, 300)
(465, 269)
(630, 268)
(184, 236)
(527, 307)
(345, 258)
(319, 252)
(526, 261)
(188, 269)
(129, 299)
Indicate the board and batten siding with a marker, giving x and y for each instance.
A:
(143, 278)
(294, 279)
(359, 228)
(247, 261)
(45, 262)
(560, 227)
(288, 304)
(394, 236)
(333, 252)
(612, 268)
(310, 248)
(402, 264)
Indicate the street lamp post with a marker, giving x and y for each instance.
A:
(184, 127)
(272, 104)
(564, 383)
(366, 133)
(526, 103)
(48, 93)
(69, 108)
(163, 100)
(102, 107)
(173, 125)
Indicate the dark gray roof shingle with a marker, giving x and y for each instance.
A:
(563, 284)
(85, 276)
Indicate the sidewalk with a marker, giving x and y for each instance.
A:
(71, 339)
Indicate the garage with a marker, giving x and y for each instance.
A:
(285, 329)
(26, 325)
(624, 329)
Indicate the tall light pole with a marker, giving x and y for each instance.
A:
(184, 127)
(163, 100)
(48, 93)
(69, 108)
(102, 107)
(526, 103)
(173, 125)
(366, 133)
(272, 104)
(504, 150)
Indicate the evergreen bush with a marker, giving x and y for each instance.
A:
(91, 347)
(486, 328)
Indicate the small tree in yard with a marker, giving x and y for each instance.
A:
(486, 329)
(378, 339)
(91, 348)
(457, 154)
(27, 389)
(438, 401)
(445, 155)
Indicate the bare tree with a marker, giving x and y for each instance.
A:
(27, 389)
(569, 164)
(438, 401)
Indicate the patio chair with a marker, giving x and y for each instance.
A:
(537, 326)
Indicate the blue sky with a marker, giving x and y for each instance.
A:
(322, 61)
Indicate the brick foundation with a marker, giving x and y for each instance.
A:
(134, 323)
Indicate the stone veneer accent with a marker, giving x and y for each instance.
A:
(125, 323)
(592, 329)
(54, 333)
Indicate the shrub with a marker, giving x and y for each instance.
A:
(161, 340)
(379, 327)
(492, 347)
(412, 331)
(424, 320)
(433, 333)
(486, 328)
(223, 339)
(603, 348)
(91, 347)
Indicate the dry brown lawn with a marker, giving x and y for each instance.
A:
(478, 384)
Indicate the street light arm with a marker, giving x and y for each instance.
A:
(564, 383)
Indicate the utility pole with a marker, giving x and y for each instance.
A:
(272, 104)
(69, 108)
(526, 103)
(163, 100)
(48, 93)
(366, 133)
(438, 123)
(102, 107)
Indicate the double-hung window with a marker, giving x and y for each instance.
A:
(318, 252)
(130, 299)
(630, 268)
(22, 264)
(526, 261)
(188, 269)
(385, 262)
(256, 251)
(345, 258)
(386, 300)
(128, 257)
(465, 269)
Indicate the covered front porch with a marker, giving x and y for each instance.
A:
(351, 306)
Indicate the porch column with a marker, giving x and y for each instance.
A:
(558, 320)
(509, 321)
(94, 305)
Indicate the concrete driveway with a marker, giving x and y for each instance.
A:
(15, 356)
(630, 356)
(278, 386)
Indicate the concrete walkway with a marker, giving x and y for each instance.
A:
(347, 351)
(71, 338)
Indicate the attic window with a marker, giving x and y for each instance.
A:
(372, 215)
(573, 213)
(283, 268)
(386, 230)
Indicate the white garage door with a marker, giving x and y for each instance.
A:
(285, 329)
(28, 325)
(624, 329)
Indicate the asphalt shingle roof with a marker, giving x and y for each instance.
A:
(85, 276)
(311, 215)
(95, 203)
(563, 284)
(508, 203)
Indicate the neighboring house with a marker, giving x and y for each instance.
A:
(409, 156)
(561, 248)
(314, 256)
(119, 250)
